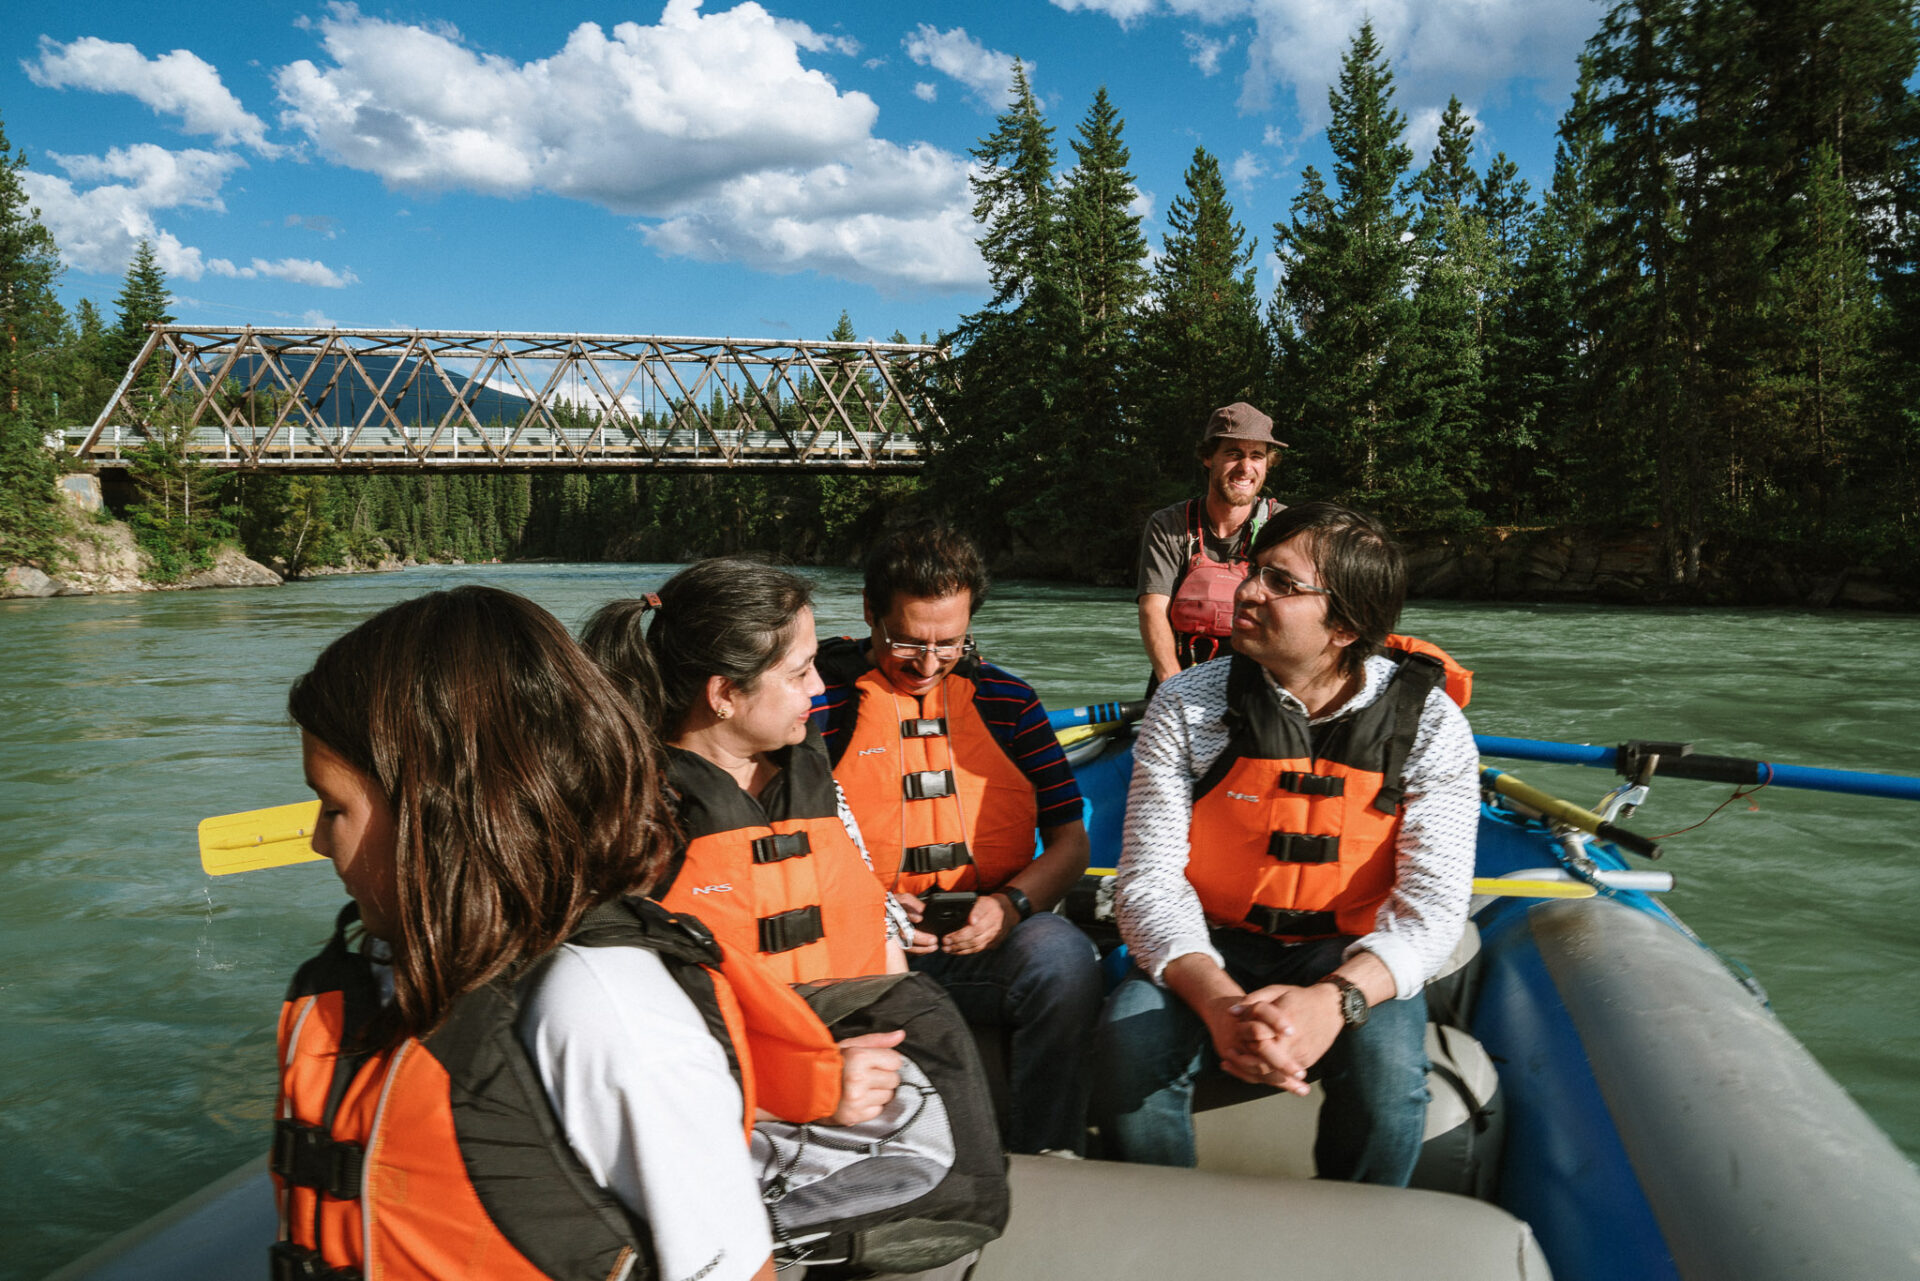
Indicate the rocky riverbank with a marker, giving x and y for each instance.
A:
(103, 557)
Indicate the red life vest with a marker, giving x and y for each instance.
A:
(939, 802)
(778, 875)
(440, 1157)
(1201, 611)
(1293, 829)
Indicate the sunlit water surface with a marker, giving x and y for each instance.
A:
(137, 995)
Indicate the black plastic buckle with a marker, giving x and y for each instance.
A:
(788, 930)
(1306, 783)
(289, 1262)
(927, 785)
(1284, 922)
(785, 845)
(1295, 847)
(924, 727)
(306, 1156)
(921, 860)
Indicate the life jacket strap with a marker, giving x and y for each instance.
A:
(1285, 923)
(306, 1156)
(787, 930)
(923, 860)
(289, 1262)
(1307, 783)
(784, 845)
(1295, 847)
(924, 727)
(927, 785)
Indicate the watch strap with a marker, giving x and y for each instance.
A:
(1353, 1002)
(1022, 905)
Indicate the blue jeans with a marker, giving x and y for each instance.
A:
(1151, 1047)
(1043, 985)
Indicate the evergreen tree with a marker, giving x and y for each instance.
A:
(1342, 317)
(31, 324)
(1628, 292)
(1827, 311)
(1201, 344)
(1102, 273)
(1013, 196)
(998, 392)
(141, 304)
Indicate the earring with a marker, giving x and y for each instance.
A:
(725, 712)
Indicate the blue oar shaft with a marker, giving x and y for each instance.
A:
(1718, 768)
(1095, 714)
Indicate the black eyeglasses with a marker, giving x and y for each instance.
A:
(908, 651)
(1278, 582)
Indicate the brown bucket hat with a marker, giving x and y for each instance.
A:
(1240, 421)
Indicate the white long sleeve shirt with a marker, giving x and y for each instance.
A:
(1184, 732)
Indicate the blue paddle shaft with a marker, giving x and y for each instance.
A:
(1723, 769)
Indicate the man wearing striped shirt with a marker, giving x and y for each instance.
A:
(950, 764)
(1297, 861)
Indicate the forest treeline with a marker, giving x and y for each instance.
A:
(1705, 324)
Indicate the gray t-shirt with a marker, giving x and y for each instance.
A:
(1164, 546)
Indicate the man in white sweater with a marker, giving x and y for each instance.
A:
(1297, 860)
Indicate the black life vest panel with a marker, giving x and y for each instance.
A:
(443, 1157)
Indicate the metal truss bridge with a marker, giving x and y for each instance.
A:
(335, 400)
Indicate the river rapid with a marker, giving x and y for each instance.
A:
(138, 995)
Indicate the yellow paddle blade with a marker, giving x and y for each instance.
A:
(258, 838)
(1511, 887)
(1075, 733)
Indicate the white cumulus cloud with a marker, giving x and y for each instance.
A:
(1248, 169)
(926, 90)
(300, 271)
(1204, 52)
(987, 73)
(105, 206)
(867, 219)
(1436, 47)
(175, 84)
(707, 124)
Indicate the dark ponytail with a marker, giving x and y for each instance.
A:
(720, 617)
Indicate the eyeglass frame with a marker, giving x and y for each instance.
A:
(1259, 573)
(909, 651)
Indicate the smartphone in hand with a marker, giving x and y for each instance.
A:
(944, 911)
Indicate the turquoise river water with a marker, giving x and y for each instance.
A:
(137, 995)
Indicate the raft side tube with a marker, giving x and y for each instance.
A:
(220, 1233)
(1755, 1163)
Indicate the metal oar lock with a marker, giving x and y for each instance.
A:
(1572, 826)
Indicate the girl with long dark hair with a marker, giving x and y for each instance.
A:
(507, 1067)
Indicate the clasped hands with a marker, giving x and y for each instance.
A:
(1272, 1035)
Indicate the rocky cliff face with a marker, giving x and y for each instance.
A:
(105, 558)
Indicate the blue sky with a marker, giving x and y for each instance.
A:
(695, 169)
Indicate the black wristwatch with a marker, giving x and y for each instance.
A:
(1022, 905)
(1353, 1002)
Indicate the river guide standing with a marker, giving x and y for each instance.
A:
(1193, 554)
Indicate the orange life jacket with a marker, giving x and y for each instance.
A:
(1201, 611)
(777, 876)
(939, 802)
(440, 1157)
(1294, 826)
